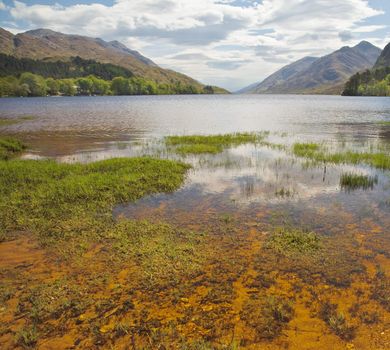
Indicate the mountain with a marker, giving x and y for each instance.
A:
(384, 59)
(324, 75)
(48, 45)
(276, 80)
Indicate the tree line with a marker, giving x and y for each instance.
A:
(33, 85)
(375, 82)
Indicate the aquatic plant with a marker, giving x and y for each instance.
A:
(287, 241)
(336, 321)
(351, 181)
(27, 337)
(267, 315)
(284, 192)
(316, 153)
(197, 144)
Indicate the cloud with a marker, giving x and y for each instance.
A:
(227, 65)
(2, 6)
(211, 39)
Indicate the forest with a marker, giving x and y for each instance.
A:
(375, 82)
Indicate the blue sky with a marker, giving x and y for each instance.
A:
(230, 43)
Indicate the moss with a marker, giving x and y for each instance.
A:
(350, 181)
(197, 144)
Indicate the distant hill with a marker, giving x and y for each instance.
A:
(384, 58)
(324, 75)
(47, 45)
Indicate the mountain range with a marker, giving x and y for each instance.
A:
(48, 45)
(323, 75)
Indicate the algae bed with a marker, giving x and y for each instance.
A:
(230, 241)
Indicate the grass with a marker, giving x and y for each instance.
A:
(43, 195)
(315, 152)
(213, 144)
(350, 181)
(385, 123)
(289, 241)
(10, 147)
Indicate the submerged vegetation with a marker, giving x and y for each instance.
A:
(289, 241)
(197, 144)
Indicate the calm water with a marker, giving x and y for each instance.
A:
(95, 122)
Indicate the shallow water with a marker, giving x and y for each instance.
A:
(249, 189)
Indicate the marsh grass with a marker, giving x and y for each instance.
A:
(317, 153)
(62, 199)
(290, 241)
(213, 144)
(10, 147)
(350, 181)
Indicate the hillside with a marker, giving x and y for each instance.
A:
(324, 75)
(384, 58)
(372, 82)
(44, 44)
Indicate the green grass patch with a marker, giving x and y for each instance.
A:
(62, 201)
(10, 147)
(315, 152)
(385, 123)
(350, 181)
(198, 144)
(291, 241)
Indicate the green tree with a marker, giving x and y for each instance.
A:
(53, 87)
(36, 84)
(67, 87)
(85, 86)
(120, 86)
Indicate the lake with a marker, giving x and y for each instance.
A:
(245, 193)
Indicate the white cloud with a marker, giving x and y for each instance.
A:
(2, 6)
(216, 41)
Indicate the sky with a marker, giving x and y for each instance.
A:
(229, 43)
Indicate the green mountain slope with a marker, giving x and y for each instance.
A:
(47, 45)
